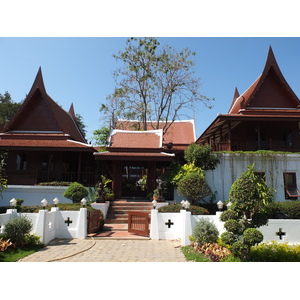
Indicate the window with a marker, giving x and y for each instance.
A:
(290, 186)
(21, 162)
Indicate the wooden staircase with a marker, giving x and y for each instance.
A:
(118, 210)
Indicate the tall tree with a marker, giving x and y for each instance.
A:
(7, 108)
(155, 83)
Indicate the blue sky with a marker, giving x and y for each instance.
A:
(79, 70)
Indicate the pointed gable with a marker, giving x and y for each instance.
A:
(39, 113)
(270, 91)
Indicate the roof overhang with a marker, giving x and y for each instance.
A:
(134, 156)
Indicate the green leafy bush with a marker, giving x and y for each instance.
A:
(194, 187)
(205, 232)
(229, 215)
(76, 192)
(55, 183)
(17, 228)
(228, 238)
(252, 236)
(233, 226)
(290, 208)
(175, 208)
(275, 252)
(240, 250)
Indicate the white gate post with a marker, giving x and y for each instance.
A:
(82, 224)
(186, 227)
(154, 228)
(40, 225)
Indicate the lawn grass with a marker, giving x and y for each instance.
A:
(191, 255)
(13, 255)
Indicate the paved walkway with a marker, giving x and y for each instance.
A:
(93, 250)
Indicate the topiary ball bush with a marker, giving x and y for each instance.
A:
(76, 192)
(229, 215)
(205, 232)
(252, 236)
(233, 226)
(229, 238)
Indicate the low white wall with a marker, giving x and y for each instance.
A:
(169, 226)
(33, 194)
(51, 225)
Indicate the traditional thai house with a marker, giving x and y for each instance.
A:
(136, 159)
(44, 143)
(265, 117)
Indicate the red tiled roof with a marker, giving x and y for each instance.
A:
(134, 155)
(136, 139)
(179, 132)
(42, 143)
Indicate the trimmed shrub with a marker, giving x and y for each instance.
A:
(240, 250)
(76, 192)
(228, 238)
(194, 187)
(175, 208)
(205, 232)
(290, 208)
(17, 228)
(252, 236)
(233, 226)
(229, 215)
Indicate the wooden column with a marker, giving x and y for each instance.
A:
(229, 135)
(151, 178)
(117, 179)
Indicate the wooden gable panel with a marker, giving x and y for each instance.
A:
(272, 94)
(36, 116)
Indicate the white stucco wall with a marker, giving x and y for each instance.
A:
(232, 165)
(33, 195)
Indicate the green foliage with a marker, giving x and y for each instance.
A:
(55, 183)
(228, 215)
(194, 187)
(275, 252)
(240, 250)
(75, 192)
(290, 208)
(201, 156)
(252, 236)
(180, 172)
(61, 206)
(8, 108)
(175, 208)
(228, 238)
(192, 255)
(32, 240)
(233, 226)
(205, 232)
(250, 194)
(100, 136)
(17, 228)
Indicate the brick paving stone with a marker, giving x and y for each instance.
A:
(109, 251)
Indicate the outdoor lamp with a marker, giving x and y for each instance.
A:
(220, 205)
(183, 204)
(55, 200)
(83, 202)
(187, 205)
(154, 203)
(229, 205)
(13, 202)
(44, 203)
